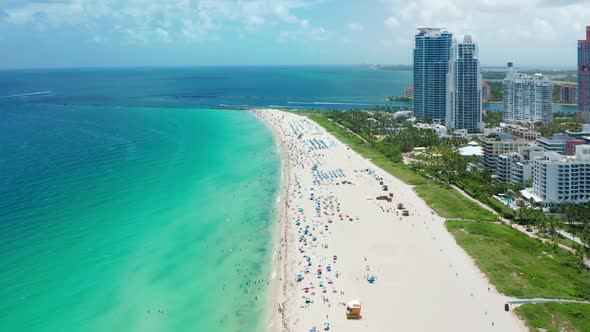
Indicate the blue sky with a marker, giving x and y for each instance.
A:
(81, 33)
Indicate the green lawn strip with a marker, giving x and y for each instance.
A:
(449, 203)
(446, 201)
(556, 317)
(520, 266)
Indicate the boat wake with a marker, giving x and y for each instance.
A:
(327, 103)
(27, 94)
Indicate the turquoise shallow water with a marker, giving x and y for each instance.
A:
(111, 214)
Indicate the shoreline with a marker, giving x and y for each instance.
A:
(274, 318)
(404, 252)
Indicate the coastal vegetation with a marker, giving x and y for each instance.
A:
(519, 265)
(496, 90)
(556, 317)
(559, 124)
(492, 119)
(401, 98)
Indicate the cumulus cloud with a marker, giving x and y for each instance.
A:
(162, 19)
(498, 24)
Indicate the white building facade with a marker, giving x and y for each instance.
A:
(527, 98)
(558, 179)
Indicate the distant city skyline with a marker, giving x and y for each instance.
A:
(109, 33)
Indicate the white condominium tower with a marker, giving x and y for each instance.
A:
(527, 98)
(558, 179)
(464, 108)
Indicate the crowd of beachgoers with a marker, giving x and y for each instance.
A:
(349, 231)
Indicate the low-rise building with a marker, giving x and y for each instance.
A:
(584, 134)
(558, 178)
(472, 149)
(521, 132)
(460, 133)
(570, 146)
(440, 130)
(556, 143)
(402, 114)
(503, 144)
(493, 131)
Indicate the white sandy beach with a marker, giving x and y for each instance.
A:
(423, 280)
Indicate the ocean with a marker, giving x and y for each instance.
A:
(128, 204)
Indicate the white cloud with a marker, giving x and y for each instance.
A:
(391, 22)
(505, 29)
(163, 19)
(355, 27)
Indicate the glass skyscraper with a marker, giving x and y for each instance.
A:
(431, 64)
(584, 77)
(464, 109)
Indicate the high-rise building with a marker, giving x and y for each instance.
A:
(464, 87)
(527, 98)
(486, 92)
(409, 92)
(584, 77)
(568, 93)
(431, 64)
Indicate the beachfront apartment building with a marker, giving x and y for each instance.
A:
(584, 77)
(431, 63)
(464, 88)
(559, 179)
(527, 98)
(503, 144)
(516, 167)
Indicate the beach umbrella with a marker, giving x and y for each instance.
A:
(371, 279)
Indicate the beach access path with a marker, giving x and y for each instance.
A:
(335, 234)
